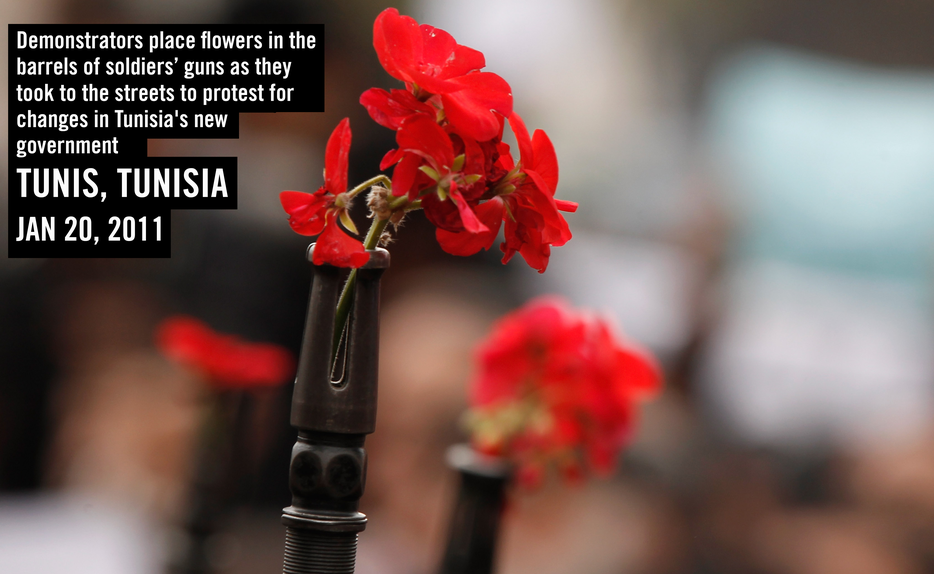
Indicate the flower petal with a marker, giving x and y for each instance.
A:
(471, 223)
(336, 158)
(404, 174)
(306, 210)
(568, 206)
(523, 235)
(390, 109)
(463, 61)
(421, 55)
(473, 109)
(422, 135)
(465, 243)
(443, 214)
(444, 58)
(526, 155)
(397, 40)
(334, 247)
(392, 157)
(556, 230)
(536, 253)
(545, 160)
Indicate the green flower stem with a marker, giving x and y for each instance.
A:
(346, 300)
(398, 202)
(370, 183)
(403, 204)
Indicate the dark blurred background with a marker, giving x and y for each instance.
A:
(756, 182)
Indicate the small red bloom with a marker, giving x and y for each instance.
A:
(318, 212)
(421, 55)
(430, 61)
(555, 387)
(526, 202)
(225, 361)
(536, 224)
(453, 182)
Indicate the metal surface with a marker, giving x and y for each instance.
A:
(333, 413)
(474, 528)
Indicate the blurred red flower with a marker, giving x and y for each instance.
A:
(226, 362)
(555, 386)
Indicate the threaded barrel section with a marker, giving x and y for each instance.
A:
(315, 552)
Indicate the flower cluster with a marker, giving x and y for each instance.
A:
(555, 386)
(225, 362)
(450, 160)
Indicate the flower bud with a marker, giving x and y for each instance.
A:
(378, 202)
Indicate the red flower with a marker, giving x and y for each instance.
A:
(225, 361)
(450, 161)
(452, 182)
(318, 212)
(532, 214)
(555, 386)
(430, 61)
(535, 223)
(421, 55)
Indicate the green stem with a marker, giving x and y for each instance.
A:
(344, 303)
(398, 202)
(369, 183)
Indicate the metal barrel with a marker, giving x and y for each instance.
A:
(333, 412)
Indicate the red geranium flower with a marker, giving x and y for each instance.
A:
(427, 163)
(450, 160)
(555, 386)
(225, 361)
(318, 212)
(525, 200)
(430, 61)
